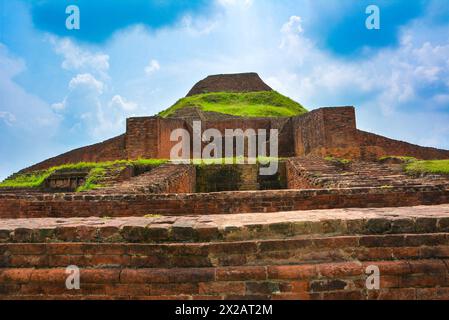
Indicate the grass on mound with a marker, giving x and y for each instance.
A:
(248, 104)
(428, 166)
(97, 171)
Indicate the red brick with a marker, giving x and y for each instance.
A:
(392, 294)
(292, 272)
(22, 275)
(145, 276)
(64, 248)
(241, 273)
(337, 242)
(192, 274)
(99, 275)
(343, 295)
(423, 280)
(428, 266)
(127, 289)
(49, 275)
(28, 261)
(26, 248)
(335, 270)
(389, 267)
(406, 253)
(291, 296)
(163, 289)
(222, 288)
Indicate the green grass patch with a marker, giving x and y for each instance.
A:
(92, 182)
(428, 166)
(96, 172)
(401, 158)
(152, 216)
(248, 104)
(341, 161)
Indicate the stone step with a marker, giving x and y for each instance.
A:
(126, 205)
(319, 254)
(401, 279)
(321, 173)
(220, 254)
(230, 227)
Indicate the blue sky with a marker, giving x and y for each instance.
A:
(62, 89)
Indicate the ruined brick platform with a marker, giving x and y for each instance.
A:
(230, 227)
(318, 254)
(179, 232)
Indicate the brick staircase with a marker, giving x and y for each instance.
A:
(149, 237)
(317, 172)
(319, 254)
(166, 178)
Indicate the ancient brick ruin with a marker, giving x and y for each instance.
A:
(180, 231)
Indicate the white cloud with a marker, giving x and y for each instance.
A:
(293, 42)
(152, 67)
(29, 112)
(88, 82)
(87, 112)
(241, 3)
(121, 103)
(80, 59)
(197, 26)
(441, 99)
(7, 117)
(29, 123)
(80, 106)
(391, 79)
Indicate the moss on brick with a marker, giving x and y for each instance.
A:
(96, 170)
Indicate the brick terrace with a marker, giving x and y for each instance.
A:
(295, 255)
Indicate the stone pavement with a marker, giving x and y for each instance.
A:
(229, 227)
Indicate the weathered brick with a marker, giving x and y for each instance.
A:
(222, 287)
(265, 287)
(241, 273)
(335, 270)
(292, 272)
(15, 275)
(97, 276)
(328, 285)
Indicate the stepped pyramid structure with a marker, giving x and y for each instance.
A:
(322, 132)
(159, 230)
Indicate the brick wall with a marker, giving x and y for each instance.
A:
(295, 178)
(325, 132)
(374, 146)
(227, 178)
(142, 137)
(109, 150)
(411, 267)
(79, 205)
(321, 132)
(171, 178)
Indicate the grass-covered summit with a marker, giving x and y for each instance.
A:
(243, 104)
